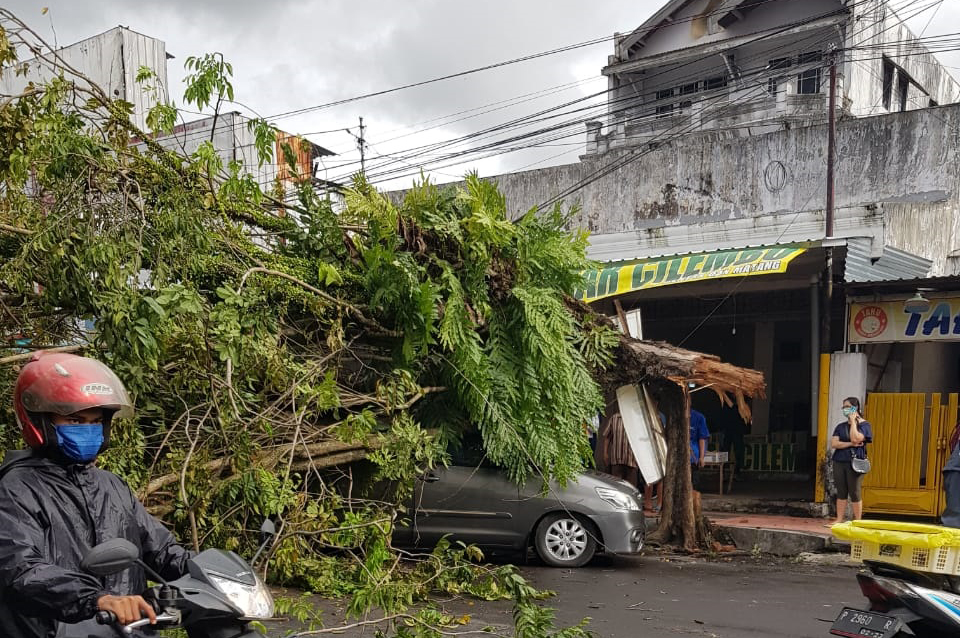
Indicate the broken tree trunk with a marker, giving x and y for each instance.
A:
(678, 516)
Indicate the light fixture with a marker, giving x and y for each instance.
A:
(917, 304)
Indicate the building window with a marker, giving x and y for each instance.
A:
(690, 89)
(773, 66)
(711, 84)
(808, 82)
(903, 89)
(889, 70)
(665, 110)
(665, 94)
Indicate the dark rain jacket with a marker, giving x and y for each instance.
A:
(951, 485)
(50, 515)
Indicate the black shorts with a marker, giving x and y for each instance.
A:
(847, 481)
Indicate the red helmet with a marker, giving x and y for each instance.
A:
(61, 383)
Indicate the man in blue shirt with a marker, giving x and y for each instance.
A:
(698, 444)
(698, 437)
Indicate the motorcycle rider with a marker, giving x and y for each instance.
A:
(55, 504)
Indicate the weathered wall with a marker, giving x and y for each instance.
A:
(109, 60)
(877, 25)
(908, 162)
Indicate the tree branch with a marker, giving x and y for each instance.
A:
(27, 355)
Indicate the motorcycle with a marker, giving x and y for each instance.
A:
(217, 598)
(903, 602)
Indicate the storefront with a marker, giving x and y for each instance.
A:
(905, 337)
(755, 308)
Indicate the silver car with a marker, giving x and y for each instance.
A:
(477, 504)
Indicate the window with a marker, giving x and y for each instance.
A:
(665, 94)
(690, 89)
(903, 89)
(889, 69)
(718, 82)
(773, 66)
(665, 110)
(808, 82)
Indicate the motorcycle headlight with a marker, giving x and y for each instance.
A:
(255, 601)
(618, 499)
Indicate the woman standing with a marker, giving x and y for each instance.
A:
(850, 440)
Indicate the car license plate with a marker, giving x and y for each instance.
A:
(854, 623)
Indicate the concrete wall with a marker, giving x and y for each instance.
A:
(905, 166)
(936, 367)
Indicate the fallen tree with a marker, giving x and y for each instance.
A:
(270, 339)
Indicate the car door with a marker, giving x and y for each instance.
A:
(471, 501)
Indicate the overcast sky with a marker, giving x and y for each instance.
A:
(292, 54)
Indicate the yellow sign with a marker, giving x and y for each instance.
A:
(890, 321)
(621, 278)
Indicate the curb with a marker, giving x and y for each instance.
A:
(781, 542)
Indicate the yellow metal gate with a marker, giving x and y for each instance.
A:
(910, 433)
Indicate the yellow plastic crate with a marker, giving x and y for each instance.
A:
(926, 548)
(937, 560)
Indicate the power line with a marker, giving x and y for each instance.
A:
(630, 100)
(525, 58)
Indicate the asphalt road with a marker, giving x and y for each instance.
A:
(654, 597)
(742, 598)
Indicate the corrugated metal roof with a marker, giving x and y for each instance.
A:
(893, 265)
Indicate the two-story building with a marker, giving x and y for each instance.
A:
(700, 65)
(705, 190)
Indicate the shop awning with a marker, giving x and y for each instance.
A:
(623, 277)
(893, 264)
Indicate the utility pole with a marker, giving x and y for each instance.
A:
(827, 306)
(825, 299)
(361, 143)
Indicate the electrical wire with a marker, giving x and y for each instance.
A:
(630, 100)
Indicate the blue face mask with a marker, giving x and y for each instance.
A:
(849, 411)
(80, 443)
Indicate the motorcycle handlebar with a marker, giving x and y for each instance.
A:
(106, 618)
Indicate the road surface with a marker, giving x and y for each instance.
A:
(670, 597)
(742, 598)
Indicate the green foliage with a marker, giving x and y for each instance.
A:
(266, 351)
(208, 80)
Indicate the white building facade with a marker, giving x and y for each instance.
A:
(700, 65)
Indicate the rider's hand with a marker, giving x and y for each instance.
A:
(127, 609)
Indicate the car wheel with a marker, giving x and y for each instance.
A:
(563, 540)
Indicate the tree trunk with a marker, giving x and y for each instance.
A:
(679, 514)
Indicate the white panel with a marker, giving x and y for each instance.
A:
(644, 431)
(848, 378)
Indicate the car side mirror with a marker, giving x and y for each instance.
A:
(110, 557)
(267, 531)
